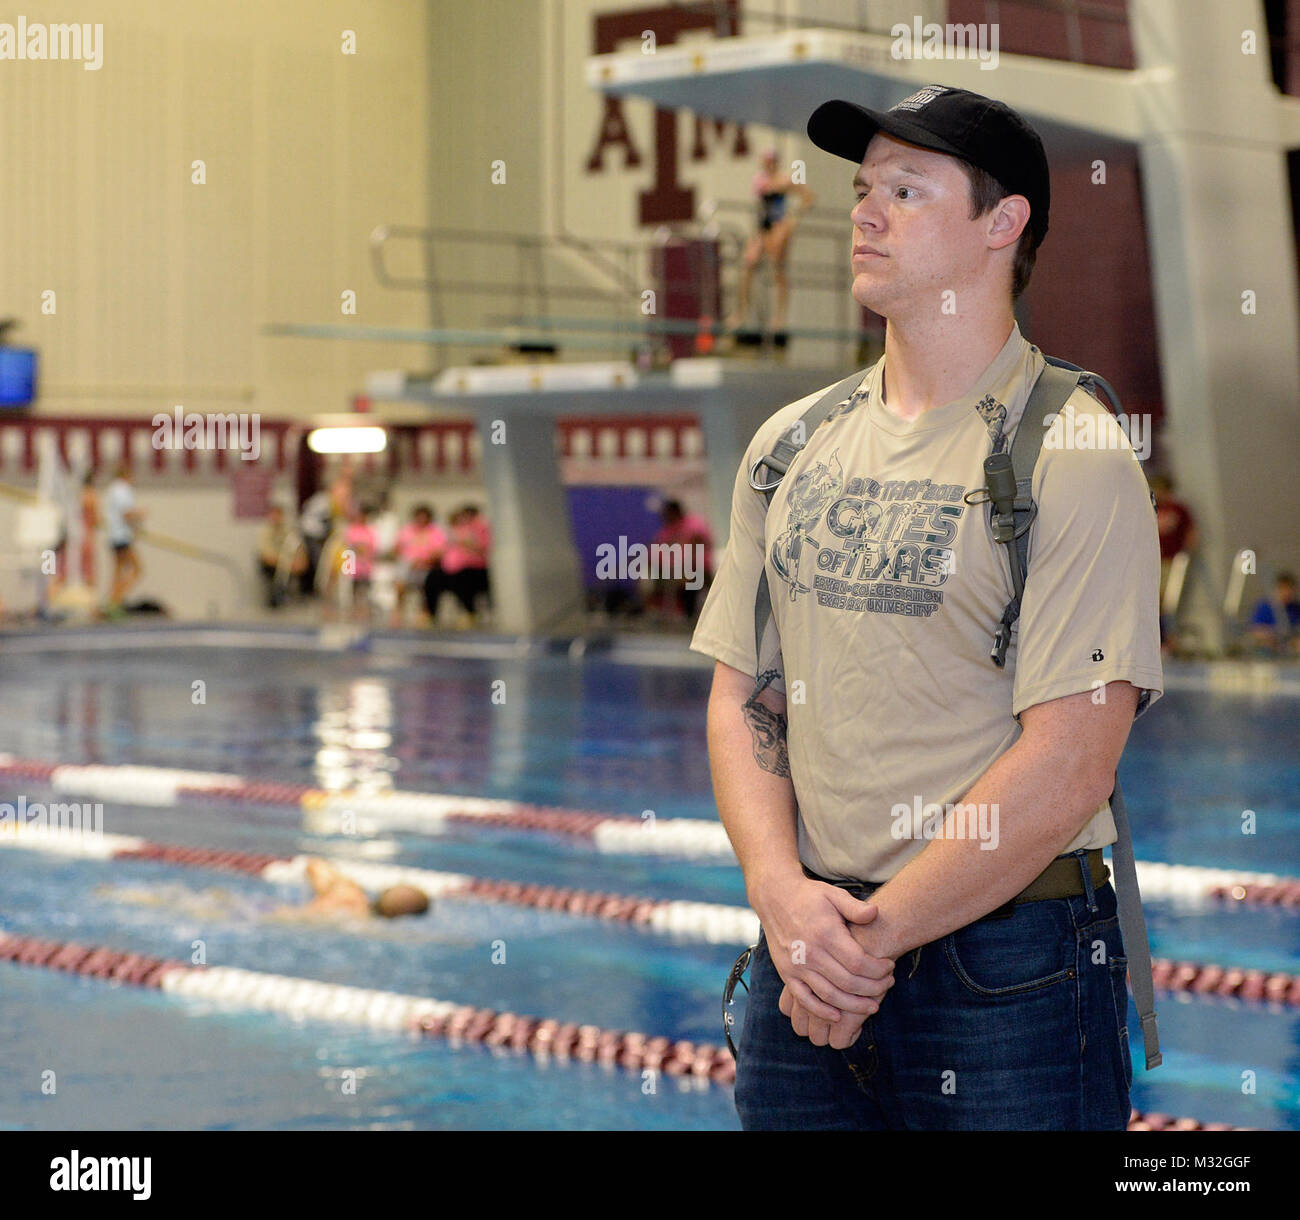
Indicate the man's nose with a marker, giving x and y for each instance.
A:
(866, 215)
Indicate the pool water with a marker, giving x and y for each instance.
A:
(594, 733)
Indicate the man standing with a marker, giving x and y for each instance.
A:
(121, 520)
(872, 750)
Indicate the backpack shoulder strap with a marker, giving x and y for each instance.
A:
(1133, 928)
(1050, 393)
(795, 437)
(775, 465)
(1008, 488)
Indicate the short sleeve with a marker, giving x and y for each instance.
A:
(1091, 608)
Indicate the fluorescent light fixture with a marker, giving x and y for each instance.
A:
(347, 440)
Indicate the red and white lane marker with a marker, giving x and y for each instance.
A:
(617, 834)
(1167, 1122)
(371, 812)
(307, 999)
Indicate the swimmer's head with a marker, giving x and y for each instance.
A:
(770, 157)
(400, 900)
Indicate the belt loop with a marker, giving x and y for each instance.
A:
(1088, 891)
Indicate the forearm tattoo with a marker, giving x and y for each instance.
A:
(768, 729)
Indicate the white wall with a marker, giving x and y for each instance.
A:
(162, 286)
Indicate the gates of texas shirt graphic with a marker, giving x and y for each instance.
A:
(890, 544)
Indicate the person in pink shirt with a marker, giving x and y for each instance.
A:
(464, 568)
(685, 530)
(420, 544)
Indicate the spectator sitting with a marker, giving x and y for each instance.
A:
(420, 544)
(1275, 625)
(464, 569)
(272, 540)
(683, 530)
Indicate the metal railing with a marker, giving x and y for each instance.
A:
(728, 22)
(612, 260)
(610, 277)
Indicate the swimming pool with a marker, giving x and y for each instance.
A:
(590, 733)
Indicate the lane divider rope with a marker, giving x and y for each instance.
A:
(307, 998)
(430, 812)
(543, 1039)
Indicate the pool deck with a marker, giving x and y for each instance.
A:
(618, 643)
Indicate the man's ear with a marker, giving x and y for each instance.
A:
(1007, 221)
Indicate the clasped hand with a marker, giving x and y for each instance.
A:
(818, 938)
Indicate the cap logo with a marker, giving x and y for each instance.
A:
(921, 98)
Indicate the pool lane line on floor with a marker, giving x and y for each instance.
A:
(715, 923)
(430, 812)
(306, 999)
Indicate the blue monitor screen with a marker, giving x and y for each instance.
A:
(17, 376)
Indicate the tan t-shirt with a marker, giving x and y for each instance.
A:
(887, 588)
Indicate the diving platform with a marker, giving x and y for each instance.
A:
(1212, 133)
(536, 572)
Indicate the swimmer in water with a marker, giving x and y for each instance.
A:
(776, 226)
(335, 895)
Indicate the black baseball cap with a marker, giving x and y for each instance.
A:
(978, 129)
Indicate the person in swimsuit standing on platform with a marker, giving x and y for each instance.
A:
(776, 225)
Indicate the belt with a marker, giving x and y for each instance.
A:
(1061, 879)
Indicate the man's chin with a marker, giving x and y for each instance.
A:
(870, 295)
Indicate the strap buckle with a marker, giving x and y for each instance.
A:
(1151, 1039)
(1002, 637)
(774, 463)
(736, 977)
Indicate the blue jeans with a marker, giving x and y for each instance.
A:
(1014, 1023)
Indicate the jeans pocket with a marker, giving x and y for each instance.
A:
(1032, 949)
(1119, 992)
